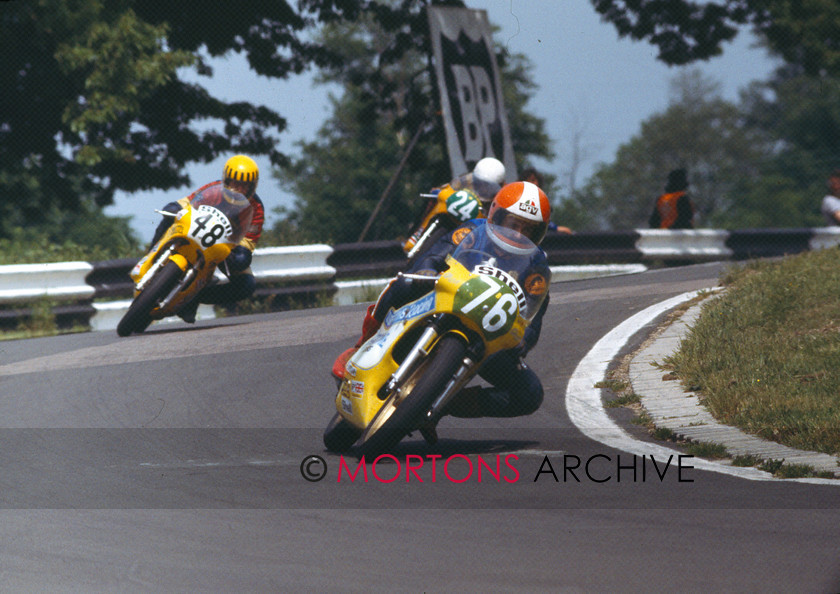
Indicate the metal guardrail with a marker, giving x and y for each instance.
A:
(98, 293)
(25, 282)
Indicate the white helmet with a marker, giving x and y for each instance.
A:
(490, 169)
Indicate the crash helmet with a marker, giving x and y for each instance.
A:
(490, 169)
(523, 207)
(241, 175)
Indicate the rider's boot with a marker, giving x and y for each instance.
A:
(189, 311)
(369, 327)
(429, 432)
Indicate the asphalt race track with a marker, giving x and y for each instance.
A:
(174, 461)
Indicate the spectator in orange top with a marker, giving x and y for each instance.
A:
(674, 209)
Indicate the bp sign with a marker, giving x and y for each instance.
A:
(470, 89)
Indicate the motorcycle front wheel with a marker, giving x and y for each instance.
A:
(395, 420)
(137, 318)
(340, 434)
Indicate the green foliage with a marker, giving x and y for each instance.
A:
(699, 131)
(772, 200)
(762, 163)
(93, 102)
(805, 34)
(388, 96)
(87, 237)
(714, 451)
(800, 115)
(765, 355)
(341, 177)
(776, 148)
(122, 63)
(528, 134)
(42, 320)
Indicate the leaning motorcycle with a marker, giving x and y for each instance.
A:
(401, 379)
(446, 209)
(182, 262)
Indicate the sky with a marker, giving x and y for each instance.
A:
(590, 82)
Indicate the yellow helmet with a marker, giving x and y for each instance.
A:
(242, 175)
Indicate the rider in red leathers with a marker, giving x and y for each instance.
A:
(241, 175)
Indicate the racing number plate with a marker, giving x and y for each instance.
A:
(491, 300)
(209, 226)
(464, 205)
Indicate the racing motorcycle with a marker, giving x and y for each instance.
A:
(446, 209)
(401, 379)
(183, 261)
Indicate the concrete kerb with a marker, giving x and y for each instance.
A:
(671, 407)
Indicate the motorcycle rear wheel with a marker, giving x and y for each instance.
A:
(137, 318)
(396, 421)
(340, 435)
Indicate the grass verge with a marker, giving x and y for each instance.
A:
(765, 356)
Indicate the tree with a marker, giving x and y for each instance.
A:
(92, 101)
(698, 131)
(800, 116)
(805, 33)
(388, 96)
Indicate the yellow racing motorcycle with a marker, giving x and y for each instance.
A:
(182, 262)
(458, 201)
(424, 352)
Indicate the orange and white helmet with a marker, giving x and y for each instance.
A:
(523, 207)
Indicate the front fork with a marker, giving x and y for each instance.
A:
(462, 375)
(419, 352)
(188, 277)
(427, 232)
(185, 282)
(152, 271)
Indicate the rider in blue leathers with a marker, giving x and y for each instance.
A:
(516, 390)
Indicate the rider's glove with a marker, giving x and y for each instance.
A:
(438, 263)
(239, 259)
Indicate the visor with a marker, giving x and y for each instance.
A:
(533, 230)
(246, 188)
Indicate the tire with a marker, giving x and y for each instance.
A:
(407, 416)
(340, 435)
(137, 318)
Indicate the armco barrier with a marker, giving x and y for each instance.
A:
(700, 245)
(367, 290)
(767, 243)
(298, 263)
(98, 293)
(616, 247)
(364, 260)
(27, 282)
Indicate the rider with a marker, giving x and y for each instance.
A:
(516, 391)
(241, 175)
(482, 183)
(486, 178)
